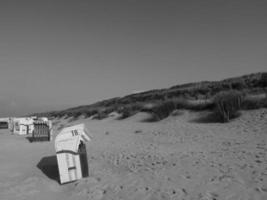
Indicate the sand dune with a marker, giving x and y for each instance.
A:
(180, 157)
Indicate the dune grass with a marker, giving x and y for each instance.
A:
(227, 104)
(206, 95)
(163, 109)
(255, 101)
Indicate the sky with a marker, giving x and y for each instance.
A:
(56, 54)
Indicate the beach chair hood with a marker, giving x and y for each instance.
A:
(70, 138)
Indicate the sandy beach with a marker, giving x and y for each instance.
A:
(180, 157)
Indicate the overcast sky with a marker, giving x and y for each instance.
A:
(60, 53)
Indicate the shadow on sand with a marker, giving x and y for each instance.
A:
(40, 139)
(207, 118)
(212, 117)
(48, 165)
(29, 138)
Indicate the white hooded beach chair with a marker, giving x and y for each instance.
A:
(71, 153)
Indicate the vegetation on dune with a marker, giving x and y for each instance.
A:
(227, 104)
(129, 109)
(263, 80)
(206, 95)
(255, 101)
(163, 109)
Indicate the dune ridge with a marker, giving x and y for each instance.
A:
(192, 96)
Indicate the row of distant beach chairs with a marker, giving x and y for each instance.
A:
(3, 125)
(41, 132)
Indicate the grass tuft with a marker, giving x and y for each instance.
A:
(228, 103)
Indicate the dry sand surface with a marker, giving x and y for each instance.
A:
(181, 157)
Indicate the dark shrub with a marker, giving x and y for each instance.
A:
(238, 85)
(125, 114)
(129, 110)
(254, 102)
(100, 115)
(263, 80)
(162, 110)
(90, 113)
(227, 104)
(76, 115)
